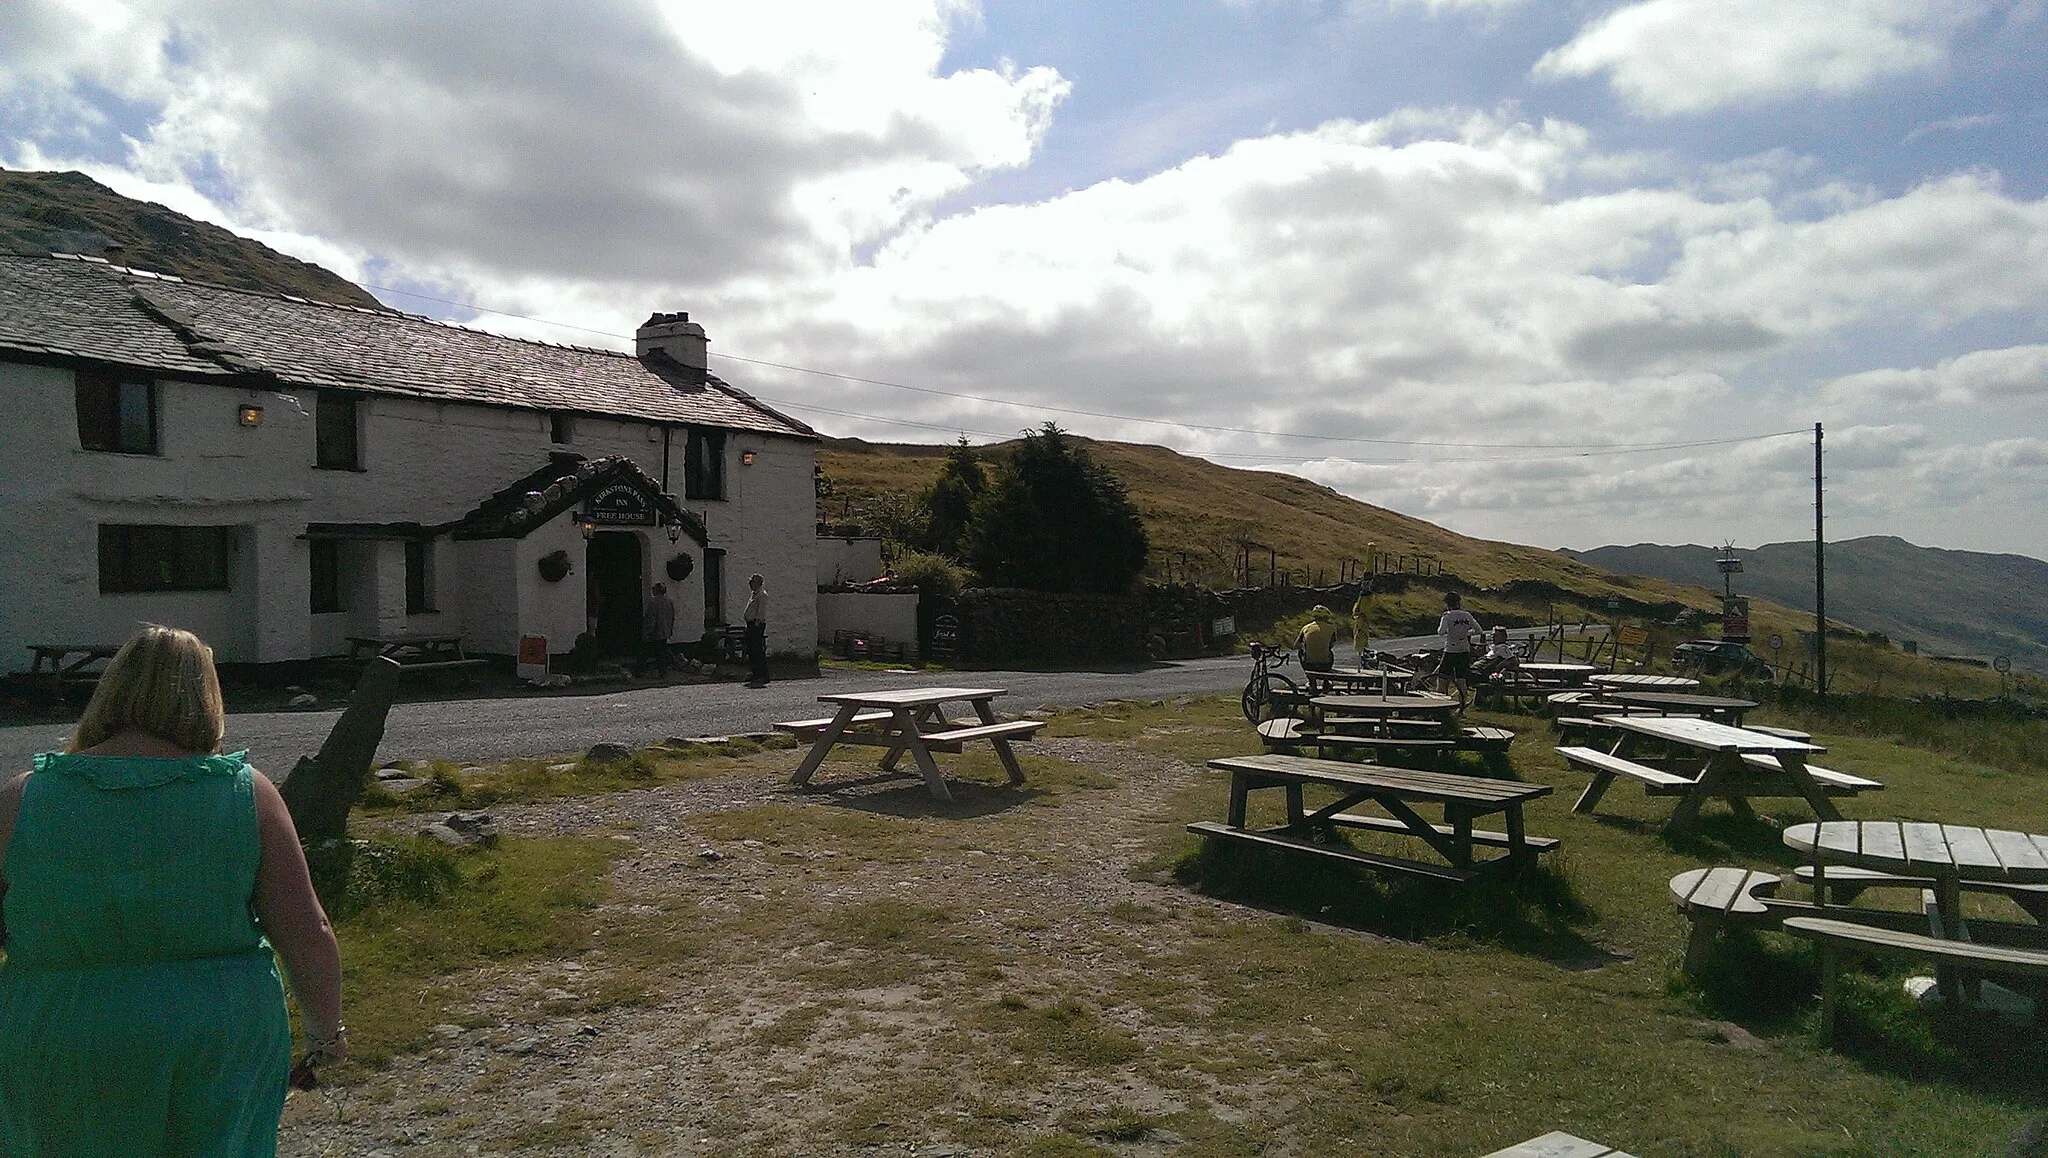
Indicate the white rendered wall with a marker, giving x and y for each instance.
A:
(425, 462)
(848, 561)
(891, 616)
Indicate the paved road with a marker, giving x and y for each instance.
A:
(539, 725)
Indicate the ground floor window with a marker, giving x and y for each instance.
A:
(157, 558)
(326, 577)
(419, 577)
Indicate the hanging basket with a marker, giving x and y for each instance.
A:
(554, 566)
(680, 566)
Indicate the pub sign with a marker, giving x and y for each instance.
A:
(619, 505)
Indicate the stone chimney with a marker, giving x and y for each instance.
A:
(675, 335)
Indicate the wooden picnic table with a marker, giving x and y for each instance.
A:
(412, 650)
(1558, 1144)
(1416, 712)
(1732, 763)
(1350, 680)
(1563, 674)
(1950, 855)
(910, 720)
(1639, 682)
(63, 664)
(1395, 790)
(1720, 709)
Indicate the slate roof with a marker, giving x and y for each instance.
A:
(566, 480)
(84, 308)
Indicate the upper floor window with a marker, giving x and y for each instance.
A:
(336, 427)
(561, 428)
(159, 558)
(115, 414)
(704, 464)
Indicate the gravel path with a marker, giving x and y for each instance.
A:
(781, 1034)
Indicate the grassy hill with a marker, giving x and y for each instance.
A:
(72, 213)
(1198, 514)
(1962, 602)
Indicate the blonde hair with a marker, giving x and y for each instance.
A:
(160, 683)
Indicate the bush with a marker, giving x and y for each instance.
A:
(930, 574)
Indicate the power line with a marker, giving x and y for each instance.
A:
(1576, 449)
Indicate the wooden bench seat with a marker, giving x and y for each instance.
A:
(1558, 1144)
(1713, 898)
(1831, 782)
(1837, 939)
(430, 665)
(1281, 840)
(1017, 729)
(1479, 836)
(809, 729)
(1845, 882)
(1481, 736)
(1580, 727)
(1594, 760)
(1782, 733)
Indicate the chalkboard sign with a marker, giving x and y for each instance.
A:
(945, 637)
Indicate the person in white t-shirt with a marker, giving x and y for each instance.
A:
(1459, 629)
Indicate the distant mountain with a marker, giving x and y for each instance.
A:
(72, 213)
(1960, 602)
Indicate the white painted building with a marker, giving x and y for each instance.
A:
(279, 475)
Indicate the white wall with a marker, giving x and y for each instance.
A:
(848, 560)
(425, 462)
(891, 616)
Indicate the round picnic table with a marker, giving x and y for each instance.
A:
(1947, 854)
(1428, 707)
(1724, 709)
(1633, 682)
(1354, 680)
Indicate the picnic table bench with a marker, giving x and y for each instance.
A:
(1558, 1144)
(1715, 899)
(61, 666)
(910, 720)
(1838, 938)
(413, 652)
(1395, 790)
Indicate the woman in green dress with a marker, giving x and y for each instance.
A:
(144, 879)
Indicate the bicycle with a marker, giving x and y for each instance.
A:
(1257, 701)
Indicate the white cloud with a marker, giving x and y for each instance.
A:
(2012, 373)
(1673, 57)
(1430, 277)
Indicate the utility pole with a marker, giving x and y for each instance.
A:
(1820, 577)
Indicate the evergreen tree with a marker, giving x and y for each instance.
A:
(1055, 520)
(950, 502)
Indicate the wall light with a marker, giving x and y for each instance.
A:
(249, 415)
(746, 458)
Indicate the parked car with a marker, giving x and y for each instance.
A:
(1718, 656)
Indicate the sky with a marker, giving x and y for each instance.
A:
(1558, 272)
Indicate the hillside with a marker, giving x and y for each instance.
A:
(72, 213)
(1960, 602)
(1196, 514)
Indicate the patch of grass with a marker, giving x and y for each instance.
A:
(793, 1027)
(1065, 1030)
(521, 900)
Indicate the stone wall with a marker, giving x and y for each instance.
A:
(1010, 625)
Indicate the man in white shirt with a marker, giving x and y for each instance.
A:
(1458, 628)
(757, 632)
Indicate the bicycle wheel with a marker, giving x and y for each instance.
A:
(1255, 699)
(1258, 696)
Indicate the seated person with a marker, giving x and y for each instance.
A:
(1317, 641)
(1501, 658)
